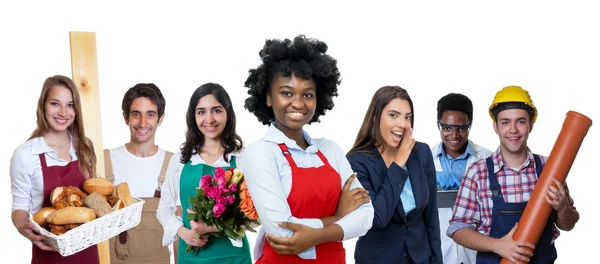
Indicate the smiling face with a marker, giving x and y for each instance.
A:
(395, 119)
(59, 109)
(293, 100)
(454, 131)
(211, 117)
(143, 120)
(513, 127)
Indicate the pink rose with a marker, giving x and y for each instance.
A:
(220, 200)
(205, 181)
(233, 187)
(230, 199)
(220, 180)
(219, 173)
(218, 209)
(212, 192)
(224, 189)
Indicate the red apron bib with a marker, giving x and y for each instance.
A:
(56, 176)
(315, 194)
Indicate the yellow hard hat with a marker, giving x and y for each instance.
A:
(513, 94)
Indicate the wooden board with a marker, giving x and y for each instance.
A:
(84, 68)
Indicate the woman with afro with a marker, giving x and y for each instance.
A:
(306, 195)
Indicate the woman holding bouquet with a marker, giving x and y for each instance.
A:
(400, 177)
(57, 154)
(306, 196)
(211, 142)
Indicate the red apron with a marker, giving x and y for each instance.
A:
(315, 194)
(56, 176)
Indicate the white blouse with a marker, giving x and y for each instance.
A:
(27, 181)
(169, 195)
(269, 178)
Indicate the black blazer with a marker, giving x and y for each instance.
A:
(395, 235)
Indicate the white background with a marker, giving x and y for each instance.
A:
(431, 49)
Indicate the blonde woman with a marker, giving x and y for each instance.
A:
(56, 154)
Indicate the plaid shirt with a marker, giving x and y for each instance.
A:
(473, 206)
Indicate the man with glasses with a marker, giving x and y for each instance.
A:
(452, 156)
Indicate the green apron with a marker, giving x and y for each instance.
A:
(217, 249)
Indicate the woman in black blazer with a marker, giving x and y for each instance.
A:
(400, 177)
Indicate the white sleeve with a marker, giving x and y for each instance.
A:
(359, 221)
(20, 181)
(169, 200)
(268, 194)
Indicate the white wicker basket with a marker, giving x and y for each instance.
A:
(94, 232)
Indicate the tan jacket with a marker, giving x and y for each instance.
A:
(143, 243)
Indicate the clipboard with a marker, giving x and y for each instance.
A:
(446, 198)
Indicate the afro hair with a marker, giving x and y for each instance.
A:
(455, 102)
(304, 58)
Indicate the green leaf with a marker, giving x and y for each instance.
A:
(231, 234)
(249, 228)
(200, 192)
(229, 221)
(219, 225)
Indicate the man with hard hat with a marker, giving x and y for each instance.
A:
(495, 191)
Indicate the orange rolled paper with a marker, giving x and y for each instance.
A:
(559, 163)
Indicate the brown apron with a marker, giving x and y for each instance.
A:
(56, 176)
(143, 243)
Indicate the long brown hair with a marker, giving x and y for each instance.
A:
(369, 135)
(86, 158)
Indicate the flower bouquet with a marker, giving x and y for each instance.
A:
(224, 201)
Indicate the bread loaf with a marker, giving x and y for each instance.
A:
(95, 202)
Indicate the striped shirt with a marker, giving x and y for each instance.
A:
(473, 206)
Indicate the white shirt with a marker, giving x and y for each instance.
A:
(141, 174)
(27, 181)
(169, 195)
(269, 178)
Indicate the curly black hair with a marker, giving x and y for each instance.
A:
(455, 102)
(305, 58)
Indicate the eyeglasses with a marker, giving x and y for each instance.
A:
(449, 129)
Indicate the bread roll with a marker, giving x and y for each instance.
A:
(71, 215)
(122, 191)
(98, 185)
(40, 216)
(95, 202)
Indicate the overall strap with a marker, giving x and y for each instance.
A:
(163, 172)
(494, 186)
(538, 165)
(287, 155)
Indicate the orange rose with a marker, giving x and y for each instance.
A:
(252, 215)
(244, 194)
(247, 206)
(243, 186)
(228, 175)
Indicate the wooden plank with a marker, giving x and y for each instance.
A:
(84, 68)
